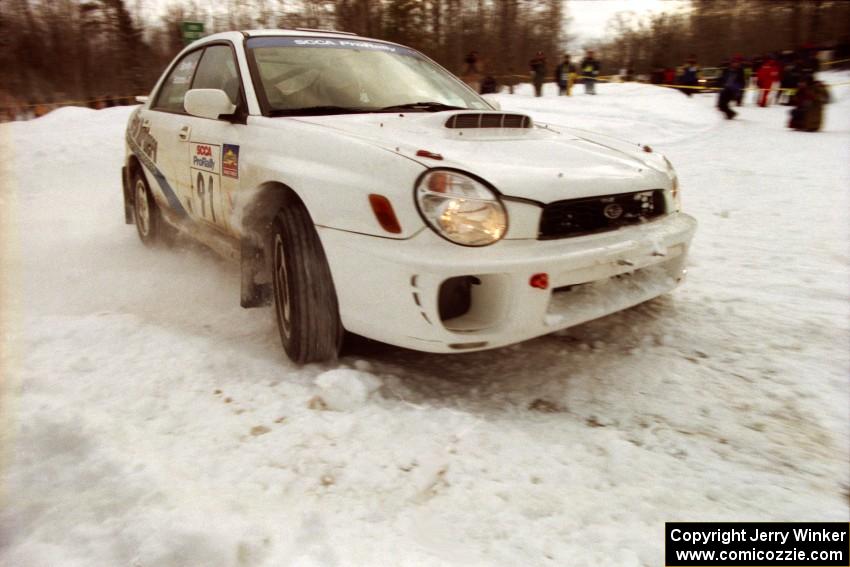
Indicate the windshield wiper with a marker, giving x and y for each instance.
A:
(317, 111)
(428, 106)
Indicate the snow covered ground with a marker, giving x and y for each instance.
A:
(148, 420)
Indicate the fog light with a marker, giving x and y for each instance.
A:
(540, 281)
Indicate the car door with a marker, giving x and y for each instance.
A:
(163, 134)
(213, 159)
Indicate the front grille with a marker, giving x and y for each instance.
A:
(489, 120)
(598, 214)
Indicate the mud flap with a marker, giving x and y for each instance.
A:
(128, 201)
(252, 263)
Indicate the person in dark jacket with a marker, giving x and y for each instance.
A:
(538, 72)
(489, 85)
(807, 114)
(589, 68)
(565, 74)
(788, 82)
(690, 76)
(731, 86)
(471, 63)
(809, 64)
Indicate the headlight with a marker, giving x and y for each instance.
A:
(460, 208)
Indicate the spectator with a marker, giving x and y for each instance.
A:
(790, 76)
(471, 63)
(690, 75)
(538, 71)
(472, 75)
(489, 85)
(809, 64)
(731, 86)
(767, 74)
(589, 72)
(807, 115)
(565, 75)
(657, 76)
(747, 68)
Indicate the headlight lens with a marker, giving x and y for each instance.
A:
(461, 209)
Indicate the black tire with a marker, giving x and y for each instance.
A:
(304, 296)
(151, 227)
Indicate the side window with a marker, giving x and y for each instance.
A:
(217, 70)
(170, 97)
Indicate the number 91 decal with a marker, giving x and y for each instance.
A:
(206, 178)
(205, 191)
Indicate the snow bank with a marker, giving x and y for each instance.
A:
(631, 111)
(149, 420)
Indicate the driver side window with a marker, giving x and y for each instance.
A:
(170, 97)
(217, 70)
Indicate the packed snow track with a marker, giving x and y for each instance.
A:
(148, 420)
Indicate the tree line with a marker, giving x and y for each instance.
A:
(53, 50)
(715, 30)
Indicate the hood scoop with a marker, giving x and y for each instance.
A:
(489, 120)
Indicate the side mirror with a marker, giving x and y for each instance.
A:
(208, 103)
(492, 101)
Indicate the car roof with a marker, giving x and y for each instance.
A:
(237, 36)
(298, 32)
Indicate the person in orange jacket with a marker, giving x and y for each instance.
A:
(767, 74)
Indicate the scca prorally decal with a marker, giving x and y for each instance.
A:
(329, 43)
(205, 156)
(334, 43)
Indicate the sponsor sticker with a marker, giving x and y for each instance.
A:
(205, 157)
(230, 161)
(329, 43)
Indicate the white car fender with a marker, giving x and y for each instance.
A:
(333, 176)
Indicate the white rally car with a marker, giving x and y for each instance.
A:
(364, 188)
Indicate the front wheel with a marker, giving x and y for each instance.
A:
(304, 295)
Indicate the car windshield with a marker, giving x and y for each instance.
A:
(302, 75)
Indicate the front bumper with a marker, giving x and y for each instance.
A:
(388, 289)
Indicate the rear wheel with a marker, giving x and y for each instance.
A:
(304, 295)
(148, 218)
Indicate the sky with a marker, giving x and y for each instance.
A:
(590, 17)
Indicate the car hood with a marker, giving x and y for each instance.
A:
(543, 163)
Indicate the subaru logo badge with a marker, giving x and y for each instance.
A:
(613, 211)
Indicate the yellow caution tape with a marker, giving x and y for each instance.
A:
(835, 62)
